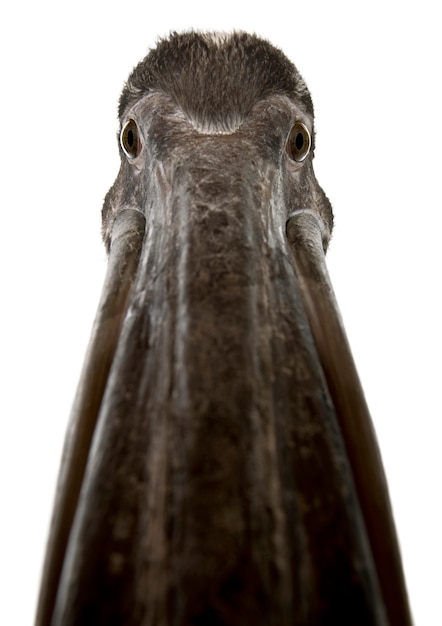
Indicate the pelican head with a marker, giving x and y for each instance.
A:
(220, 466)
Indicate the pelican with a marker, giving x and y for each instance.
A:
(220, 466)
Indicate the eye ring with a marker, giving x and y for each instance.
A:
(130, 139)
(299, 142)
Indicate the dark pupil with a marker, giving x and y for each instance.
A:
(299, 141)
(130, 138)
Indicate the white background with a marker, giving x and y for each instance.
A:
(374, 73)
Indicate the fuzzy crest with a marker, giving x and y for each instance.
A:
(215, 78)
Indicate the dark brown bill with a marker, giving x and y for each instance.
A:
(221, 466)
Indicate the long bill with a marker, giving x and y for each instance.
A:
(220, 448)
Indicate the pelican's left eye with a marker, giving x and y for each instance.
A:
(130, 139)
(299, 142)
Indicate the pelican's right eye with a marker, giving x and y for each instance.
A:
(299, 142)
(130, 139)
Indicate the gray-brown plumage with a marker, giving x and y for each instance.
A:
(221, 466)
